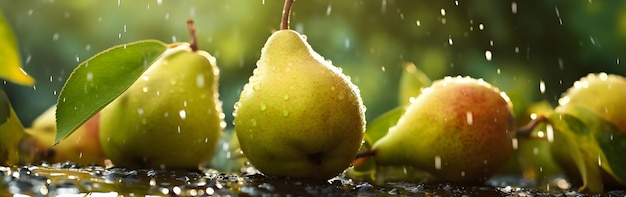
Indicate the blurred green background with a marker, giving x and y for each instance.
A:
(553, 42)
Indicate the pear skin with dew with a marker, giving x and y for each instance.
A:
(602, 93)
(298, 116)
(82, 147)
(460, 130)
(170, 117)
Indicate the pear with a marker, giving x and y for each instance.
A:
(601, 93)
(298, 116)
(459, 129)
(171, 117)
(82, 147)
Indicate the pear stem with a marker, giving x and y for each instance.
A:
(367, 153)
(284, 23)
(527, 129)
(193, 42)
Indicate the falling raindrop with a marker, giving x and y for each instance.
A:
(514, 7)
(418, 23)
(443, 12)
(438, 162)
(329, 9)
(549, 133)
(558, 15)
(542, 87)
(470, 118)
(140, 111)
(144, 89)
(481, 26)
(55, 37)
(450, 40)
(488, 55)
(182, 114)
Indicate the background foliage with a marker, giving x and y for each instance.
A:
(553, 42)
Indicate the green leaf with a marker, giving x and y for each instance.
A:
(411, 82)
(228, 157)
(578, 142)
(11, 133)
(10, 68)
(365, 166)
(99, 80)
(380, 126)
(609, 142)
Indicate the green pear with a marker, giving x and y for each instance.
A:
(601, 93)
(82, 146)
(458, 129)
(170, 117)
(298, 116)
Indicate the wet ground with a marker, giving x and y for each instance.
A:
(69, 179)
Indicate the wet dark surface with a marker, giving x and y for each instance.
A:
(67, 179)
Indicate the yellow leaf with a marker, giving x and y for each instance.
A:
(10, 67)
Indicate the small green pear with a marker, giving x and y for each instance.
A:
(82, 147)
(459, 129)
(298, 116)
(170, 117)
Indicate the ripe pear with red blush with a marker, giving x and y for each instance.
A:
(82, 147)
(459, 129)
